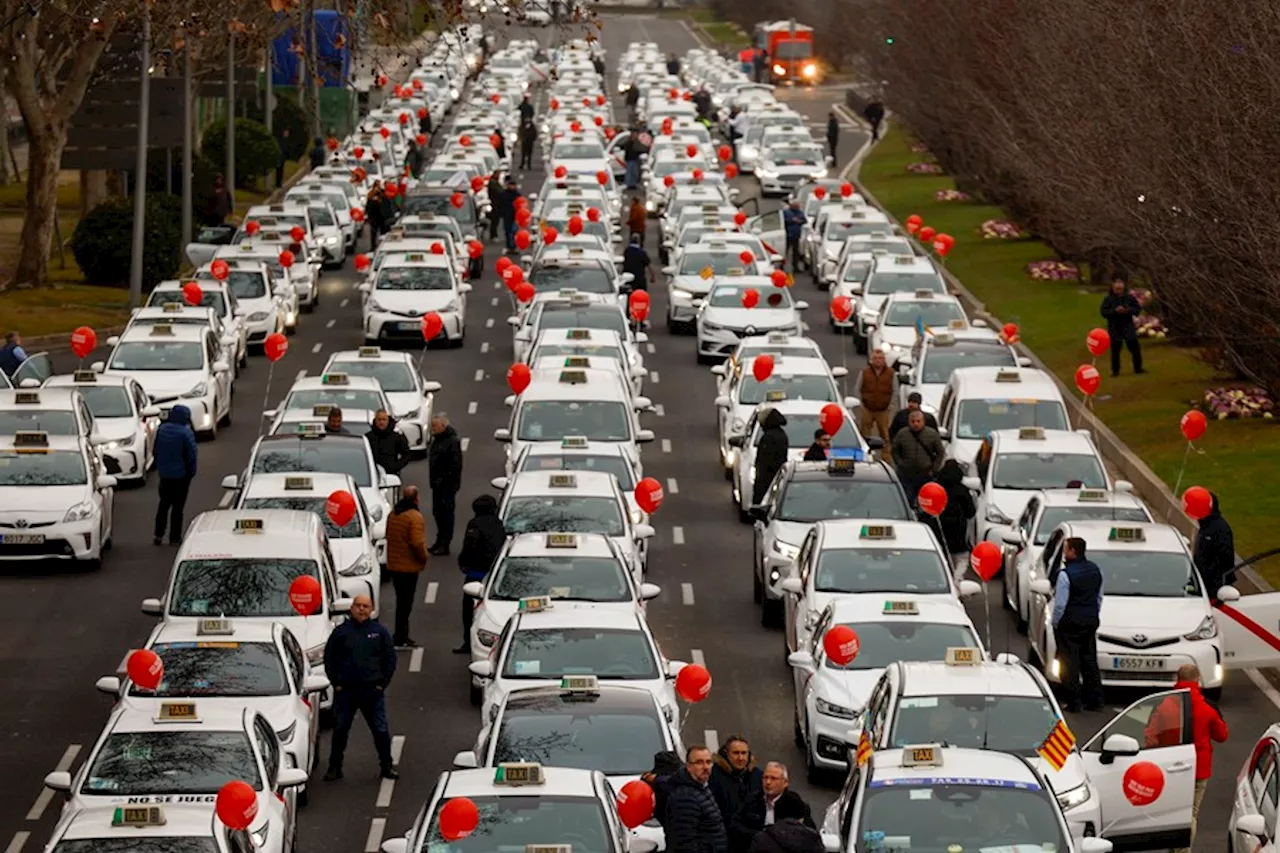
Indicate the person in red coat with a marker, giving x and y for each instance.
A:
(1164, 728)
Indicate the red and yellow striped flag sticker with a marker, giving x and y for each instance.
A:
(865, 751)
(1057, 747)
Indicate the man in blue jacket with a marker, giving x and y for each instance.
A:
(1077, 610)
(175, 454)
(360, 659)
(793, 221)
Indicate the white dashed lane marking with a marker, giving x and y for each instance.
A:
(433, 589)
(696, 656)
(343, 303)
(484, 347)
(677, 535)
(319, 346)
(471, 407)
(19, 839)
(686, 594)
(666, 445)
(415, 659)
(330, 324)
(373, 842)
(673, 488)
(480, 375)
(466, 442)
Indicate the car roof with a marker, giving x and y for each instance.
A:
(538, 545)
(45, 397)
(1052, 441)
(857, 533)
(870, 607)
(322, 484)
(602, 698)
(1075, 497)
(584, 484)
(578, 617)
(179, 333)
(218, 528)
(958, 765)
(876, 472)
(1163, 538)
(558, 781)
(971, 381)
(600, 385)
(937, 678)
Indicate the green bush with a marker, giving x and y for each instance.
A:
(103, 241)
(287, 114)
(256, 151)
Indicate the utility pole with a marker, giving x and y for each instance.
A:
(230, 168)
(140, 173)
(188, 120)
(268, 99)
(314, 63)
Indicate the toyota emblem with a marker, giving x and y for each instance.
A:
(1140, 639)
(20, 523)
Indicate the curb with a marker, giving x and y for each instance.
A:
(62, 343)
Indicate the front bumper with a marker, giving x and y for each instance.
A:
(826, 741)
(257, 331)
(126, 463)
(717, 342)
(385, 325)
(415, 432)
(59, 540)
(779, 184)
(680, 305)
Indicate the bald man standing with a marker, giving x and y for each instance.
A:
(360, 659)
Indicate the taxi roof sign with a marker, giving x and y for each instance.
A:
(335, 379)
(1008, 376)
(842, 465)
(573, 377)
(138, 816)
(924, 755)
(777, 337)
(1127, 534)
(957, 323)
(963, 656)
(562, 540)
(369, 352)
(162, 330)
(248, 525)
(944, 339)
(173, 308)
(1031, 433)
(901, 608)
(310, 430)
(574, 442)
(580, 683)
(563, 481)
(516, 773)
(297, 484)
(924, 294)
(534, 604)
(905, 261)
(579, 299)
(216, 627)
(1088, 496)
(321, 410)
(177, 712)
(775, 395)
(577, 361)
(30, 438)
(85, 376)
(25, 398)
(876, 531)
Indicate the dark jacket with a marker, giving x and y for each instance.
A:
(734, 789)
(815, 453)
(750, 818)
(771, 453)
(483, 540)
(528, 135)
(635, 260)
(415, 159)
(219, 207)
(1083, 609)
(495, 187)
(1215, 553)
(1120, 325)
(900, 419)
(673, 66)
(390, 448)
(665, 765)
(693, 822)
(632, 97)
(10, 361)
(360, 654)
(379, 210)
(874, 112)
(317, 155)
(175, 449)
(341, 430)
(793, 222)
(526, 111)
(960, 508)
(446, 462)
(788, 836)
(833, 131)
(917, 455)
(424, 125)
(505, 204)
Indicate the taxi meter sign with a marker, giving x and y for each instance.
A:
(515, 774)
(562, 540)
(929, 755)
(177, 712)
(958, 656)
(138, 816)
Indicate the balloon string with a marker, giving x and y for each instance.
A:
(1178, 483)
(266, 397)
(986, 603)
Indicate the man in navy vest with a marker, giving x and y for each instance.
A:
(1077, 603)
(11, 354)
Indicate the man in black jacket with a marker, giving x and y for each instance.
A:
(360, 659)
(1121, 308)
(788, 836)
(693, 823)
(735, 778)
(481, 543)
(446, 479)
(1077, 608)
(775, 802)
(817, 451)
(390, 448)
(504, 207)
(901, 419)
(1215, 553)
(771, 454)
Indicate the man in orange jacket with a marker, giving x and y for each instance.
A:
(1164, 728)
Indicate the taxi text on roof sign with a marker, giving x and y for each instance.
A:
(30, 441)
(370, 352)
(580, 682)
(515, 774)
(310, 430)
(574, 442)
(534, 604)
(905, 260)
(1092, 496)
(1127, 534)
(562, 540)
(1031, 433)
(172, 308)
(563, 481)
(334, 379)
(901, 608)
(162, 330)
(321, 410)
(573, 377)
(177, 712)
(577, 361)
(548, 848)
(1008, 376)
(957, 324)
(960, 656)
(85, 376)
(297, 484)
(776, 395)
(217, 627)
(944, 339)
(876, 531)
(138, 816)
(843, 465)
(248, 525)
(925, 755)
(27, 398)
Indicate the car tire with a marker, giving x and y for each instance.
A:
(860, 343)
(476, 695)
(770, 612)
(799, 732)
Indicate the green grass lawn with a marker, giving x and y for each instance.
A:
(723, 33)
(63, 307)
(1054, 317)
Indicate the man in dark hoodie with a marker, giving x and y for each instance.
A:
(390, 448)
(693, 822)
(504, 207)
(445, 462)
(481, 543)
(735, 779)
(787, 836)
(665, 765)
(175, 459)
(1215, 553)
(771, 454)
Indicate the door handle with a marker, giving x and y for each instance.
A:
(1179, 766)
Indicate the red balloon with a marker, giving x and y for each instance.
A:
(417, 85)
(575, 225)
(422, 113)
(331, 143)
(219, 269)
(740, 218)
(691, 150)
(1143, 783)
(525, 291)
(601, 100)
(495, 140)
(846, 189)
(358, 151)
(464, 141)
(831, 418)
(275, 346)
(841, 644)
(779, 278)
(593, 214)
(1098, 341)
(145, 669)
(391, 188)
(237, 805)
(985, 559)
(192, 293)
(762, 367)
(382, 79)
(1193, 425)
(576, 126)
(519, 377)
(340, 507)
(550, 235)
(404, 118)
(513, 275)
(286, 259)
(693, 683)
(602, 177)
(731, 171)
(932, 499)
(357, 215)
(1088, 379)
(649, 495)
(432, 325)
(841, 308)
(943, 244)
(610, 133)
(668, 181)
(666, 127)
(497, 99)
(1010, 333)
(459, 817)
(673, 94)
(477, 183)
(384, 132)
(521, 203)
(362, 262)
(819, 193)
(251, 227)
(554, 104)
(500, 266)
(437, 248)
(638, 304)
(522, 239)
(635, 803)
(914, 223)
(750, 298)
(304, 595)
(523, 217)
(746, 257)
(1197, 502)
(561, 171)
(475, 249)
(298, 233)
(84, 340)
(725, 153)
(457, 200)
(697, 176)
(926, 234)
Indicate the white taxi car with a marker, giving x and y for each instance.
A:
(407, 287)
(178, 314)
(904, 317)
(926, 369)
(786, 164)
(57, 411)
(570, 310)
(980, 400)
(861, 558)
(266, 295)
(124, 420)
(722, 320)
(412, 398)
(154, 829)
(593, 344)
(577, 453)
(830, 695)
(773, 343)
(836, 223)
(888, 274)
(848, 274)
(359, 397)
(217, 296)
(694, 272)
(55, 501)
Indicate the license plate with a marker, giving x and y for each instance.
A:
(408, 327)
(21, 539)
(1138, 663)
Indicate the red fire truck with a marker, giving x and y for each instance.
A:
(790, 49)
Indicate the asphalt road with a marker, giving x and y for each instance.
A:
(66, 628)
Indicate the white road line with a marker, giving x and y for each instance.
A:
(686, 594)
(480, 375)
(302, 374)
(677, 535)
(484, 347)
(397, 749)
(466, 442)
(653, 376)
(659, 410)
(330, 324)
(497, 285)
(373, 842)
(415, 660)
(343, 303)
(698, 657)
(433, 589)
(227, 497)
(1260, 681)
(666, 445)
(711, 740)
(46, 794)
(494, 302)
(471, 407)
(652, 349)
(319, 346)
(19, 839)
(488, 324)
(673, 488)
(386, 788)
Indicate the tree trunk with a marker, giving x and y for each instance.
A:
(44, 159)
(93, 190)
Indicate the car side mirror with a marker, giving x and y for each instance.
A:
(513, 321)
(944, 433)
(802, 305)
(759, 513)
(839, 372)
(58, 780)
(106, 481)
(466, 761)
(1253, 824)
(792, 586)
(292, 777)
(481, 669)
(1118, 745)
(645, 436)
(722, 402)
(674, 667)
(968, 589)
(395, 845)
(648, 591)
(340, 606)
(152, 607)
(431, 387)
(973, 484)
(643, 531)
(668, 270)
(503, 435)
(473, 589)
(315, 683)
(113, 340)
(801, 660)
(904, 373)
(500, 483)
(1040, 586)
(737, 440)
(1012, 537)
(1228, 593)
(108, 684)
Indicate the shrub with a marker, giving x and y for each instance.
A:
(287, 115)
(256, 151)
(103, 241)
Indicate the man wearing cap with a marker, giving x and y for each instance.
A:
(899, 421)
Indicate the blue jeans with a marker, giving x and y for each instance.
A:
(633, 173)
(368, 700)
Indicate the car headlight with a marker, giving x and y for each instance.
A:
(330, 241)
(649, 206)
(315, 655)
(260, 835)
(711, 327)
(995, 516)
(198, 391)
(809, 71)
(779, 70)
(81, 511)
(258, 316)
(486, 638)
(451, 308)
(1207, 630)
(830, 709)
(374, 306)
(127, 441)
(681, 293)
(286, 735)
(785, 549)
(818, 175)
(767, 174)
(1077, 796)
(360, 567)
(737, 426)
(749, 151)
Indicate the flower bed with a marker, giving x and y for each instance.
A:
(999, 229)
(1150, 326)
(919, 148)
(951, 195)
(1053, 271)
(1235, 403)
(924, 168)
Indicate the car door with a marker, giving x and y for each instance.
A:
(106, 496)
(207, 243)
(222, 379)
(1012, 553)
(803, 676)
(791, 602)
(769, 228)
(1258, 793)
(1248, 631)
(1040, 606)
(1160, 724)
(34, 371)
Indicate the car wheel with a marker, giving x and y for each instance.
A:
(799, 732)
(770, 612)
(859, 343)
(477, 695)
(757, 585)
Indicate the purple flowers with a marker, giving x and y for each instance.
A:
(1053, 271)
(1231, 403)
(950, 195)
(924, 168)
(999, 229)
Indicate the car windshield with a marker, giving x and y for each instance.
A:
(898, 282)
(51, 421)
(208, 299)
(752, 350)
(327, 455)
(218, 668)
(51, 468)
(559, 732)
(508, 823)
(718, 263)
(1015, 724)
(138, 844)
(923, 815)
(430, 204)
(161, 762)
(571, 349)
(237, 586)
(692, 234)
(552, 420)
(616, 465)
(804, 386)
(808, 501)
(577, 151)
(584, 279)
(414, 278)
(106, 401)
(608, 653)
(597, 317)
(730, 296)
(795, 155)
(1147, 574)
(841, 230)
(321, 215)
(849, 570)
(856, 271)
(907, 639)
(978, 418)
(598, 229)
(934, 314)
(345, 398)
(154, 355)
(574, 578)
(675, 167)
(543, 514)
(941, 362)
(247, 284)
(800, 428)
(1047, 471)
(1055, 515)
(351, 530)
(393, 376)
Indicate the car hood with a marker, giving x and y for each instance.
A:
(1129, 615)
(114, 429)
(40, 504)
(405, 403)
(760, 318)
(162, 384)
(850, 689)
(902, 337)
(413, 303)
(695, 284)
(790, 532)
(1011, 502)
